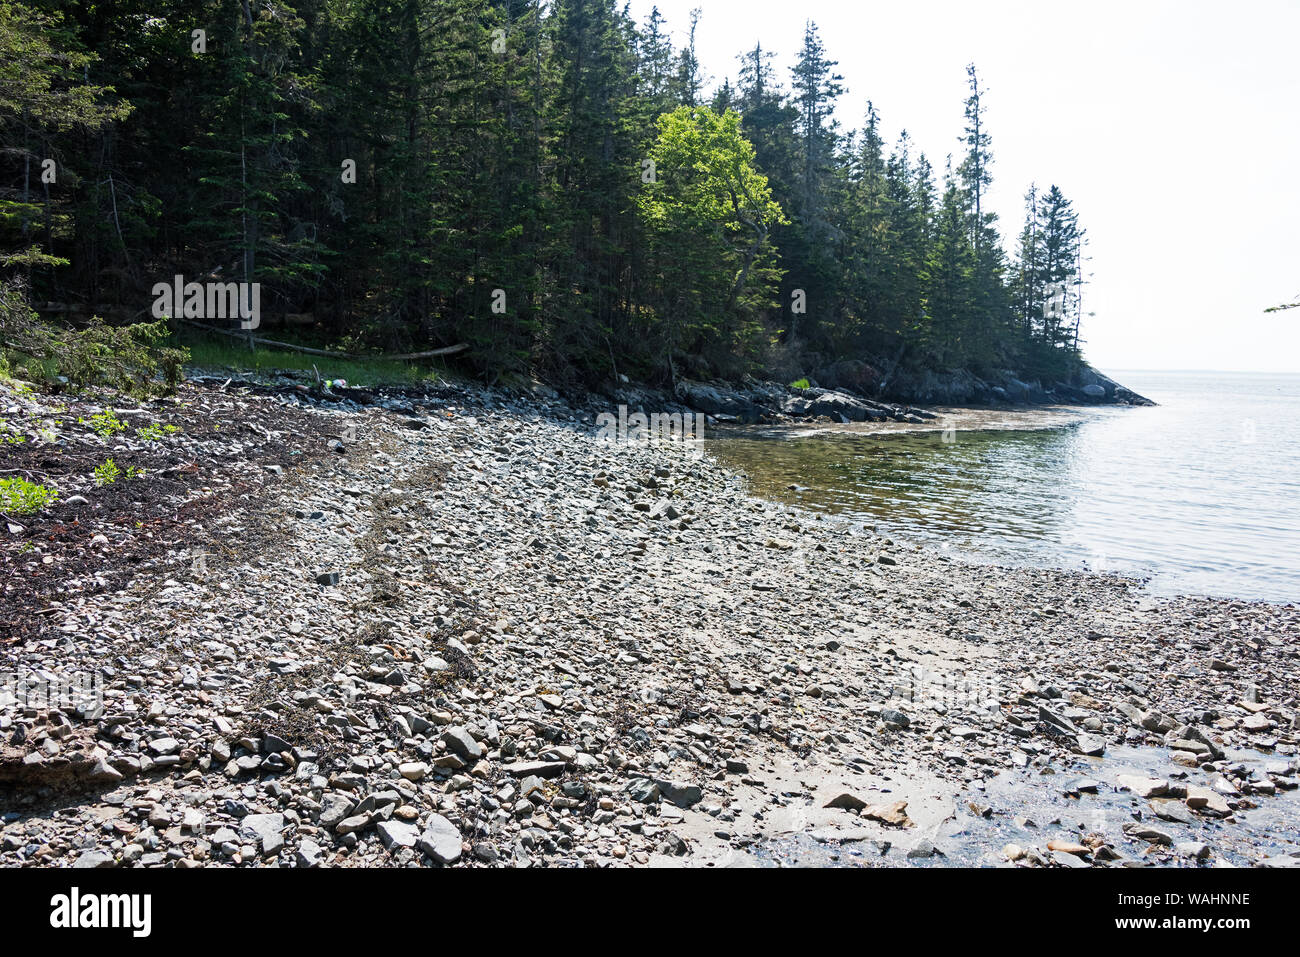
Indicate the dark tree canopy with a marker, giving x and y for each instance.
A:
(552, 183)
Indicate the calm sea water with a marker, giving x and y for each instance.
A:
(1201, 495)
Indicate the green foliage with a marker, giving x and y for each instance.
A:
(9, 435)
(801, 384)
(498, 150)
(155, 432)
(21, 497)
(128, 358)
(105, 424)
(109, 472)
(707, 215)
(211, 352)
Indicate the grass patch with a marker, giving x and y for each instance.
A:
(219, 352)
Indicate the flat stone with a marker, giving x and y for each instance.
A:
(1172, 811)
(462, 744)
(543, 769)
(309, 854)
(413, 770)
(1068, 860)
(1143, 787)
(349, 825)
(894, 814)
(94, 860)
(397, 834)
(440, 839)
(1207, 801)
(680, 793)
(1149, 834)
(1091, 745)
(264, 828)
(334, 808)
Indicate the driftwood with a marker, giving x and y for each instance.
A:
(401, 356)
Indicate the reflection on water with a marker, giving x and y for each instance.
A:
(1029, 808)
(1200, 494)
(957, 490)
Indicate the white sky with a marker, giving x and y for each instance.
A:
(1174, 127)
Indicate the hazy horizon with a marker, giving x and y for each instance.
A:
(1172, 129)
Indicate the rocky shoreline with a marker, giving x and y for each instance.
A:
(853, 392)
(453, 627)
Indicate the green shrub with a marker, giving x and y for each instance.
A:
(9, 435)
(801, 384)
(106, 423)
(155, 431)
(126, 358)
(21, 497)
(108, 473)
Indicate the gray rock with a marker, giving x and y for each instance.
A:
(309, 854)
(101, 772)
(680, 793)
(542, 769)
(1068, 860)
(1060, 725)
(397, 834)
(923, 850)
(440, 839)
(350, 825)
(460, 743)
(643, 791)
(895, 718)
(1091, 745)
(274, 744)
(334, 808)
(1143, 787)
(264, 828)
(1151, 835)
(95, 859)
(847, 802)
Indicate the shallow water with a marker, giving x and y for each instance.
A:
(1200, 495)
(1029, 808)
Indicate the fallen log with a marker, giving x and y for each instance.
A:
(276, 344)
